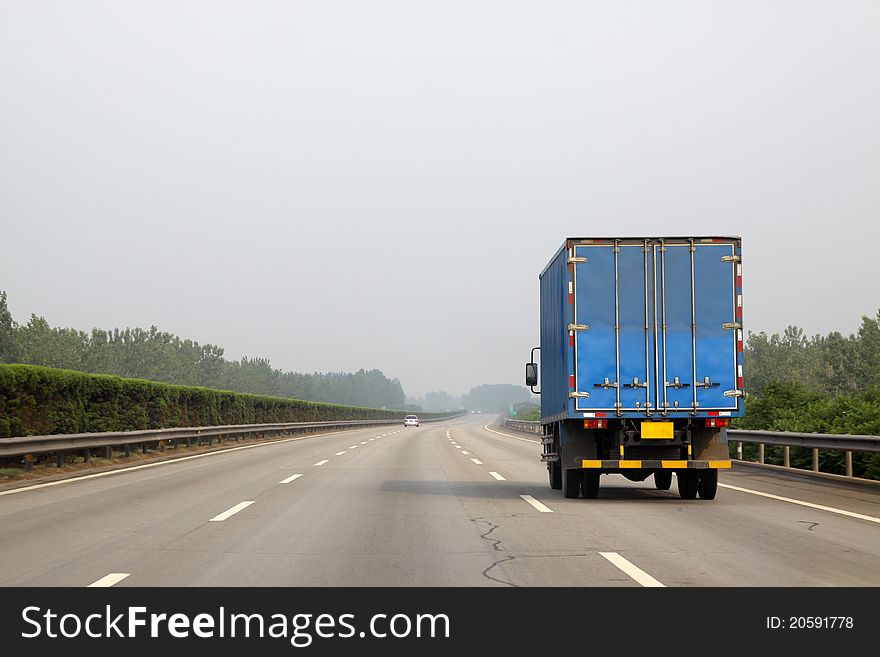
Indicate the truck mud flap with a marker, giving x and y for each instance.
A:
(655, 464)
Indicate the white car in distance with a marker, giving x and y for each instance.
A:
(411, 421)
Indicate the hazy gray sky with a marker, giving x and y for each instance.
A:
(337, 185)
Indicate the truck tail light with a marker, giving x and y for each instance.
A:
(595, 424)
(717, 422)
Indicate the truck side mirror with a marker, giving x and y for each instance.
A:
(531, 375)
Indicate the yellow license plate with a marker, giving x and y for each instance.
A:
(657, 430)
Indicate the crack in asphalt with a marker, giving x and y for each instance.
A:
(496, 547)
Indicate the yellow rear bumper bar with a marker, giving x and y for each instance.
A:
(655, 464)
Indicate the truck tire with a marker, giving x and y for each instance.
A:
(708, 485)
(663, 479)
(590, 484)
(555, 476)
(571, 482)
(688, 481)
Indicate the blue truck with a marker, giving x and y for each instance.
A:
(641, 357)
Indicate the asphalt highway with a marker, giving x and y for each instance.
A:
(458, 503)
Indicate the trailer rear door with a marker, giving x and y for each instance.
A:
(654, 325)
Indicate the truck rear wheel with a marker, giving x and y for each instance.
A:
(663, 479)
(571, 482)
(708, 485)
(688, 481)
(590, 484)
(555, 476)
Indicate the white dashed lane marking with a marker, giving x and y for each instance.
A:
(220, 517)
(535, 503)
(322, 462)
(497, 476)
(631, 569)
(290, 478)
(477, 461)
(108, 580)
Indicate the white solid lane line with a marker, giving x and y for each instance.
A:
(109, 473)
(509, 436)
(290, 478)
(631, 569)
(339, 453)
(322, 462)
(821, 507)
(372, 439)
(497, 476)
(363, 442)
(477, 461)
(353, 447)
(464, 452)
(220, 517)
(535, 503)
(108, 580)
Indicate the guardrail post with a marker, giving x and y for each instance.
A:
(786, 456)
(189, 441)
(144, 448)
(87, 455)
(108, 452)
(59, 459)
(760, 452)
(28, 462)
(739, 450)
(128, 449)
(815, 459)
(849, 472)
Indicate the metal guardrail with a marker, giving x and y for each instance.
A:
(847, 443)
(524, 425)
(61, 444)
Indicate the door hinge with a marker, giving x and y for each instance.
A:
(731, 258)
(576, 259)
(578, 394)
(734, 393)
(731, 325)
(578, 327)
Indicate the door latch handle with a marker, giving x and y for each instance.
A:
(676, 383)
(606, 384)
(706, 383)
(636, 384)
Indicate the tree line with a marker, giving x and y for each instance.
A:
(160, 356)
(815, 384)
(487, 397)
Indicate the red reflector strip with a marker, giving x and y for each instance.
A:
(601, 414)
(739, 382)
(571, 301)
(739, 281)
(570, 266)
(739, 346)
(571, 338)
(739, 312)
(571, 381)
(713, 413)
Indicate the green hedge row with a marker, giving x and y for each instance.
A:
(43, 400)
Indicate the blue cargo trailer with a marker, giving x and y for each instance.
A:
(641, 361)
